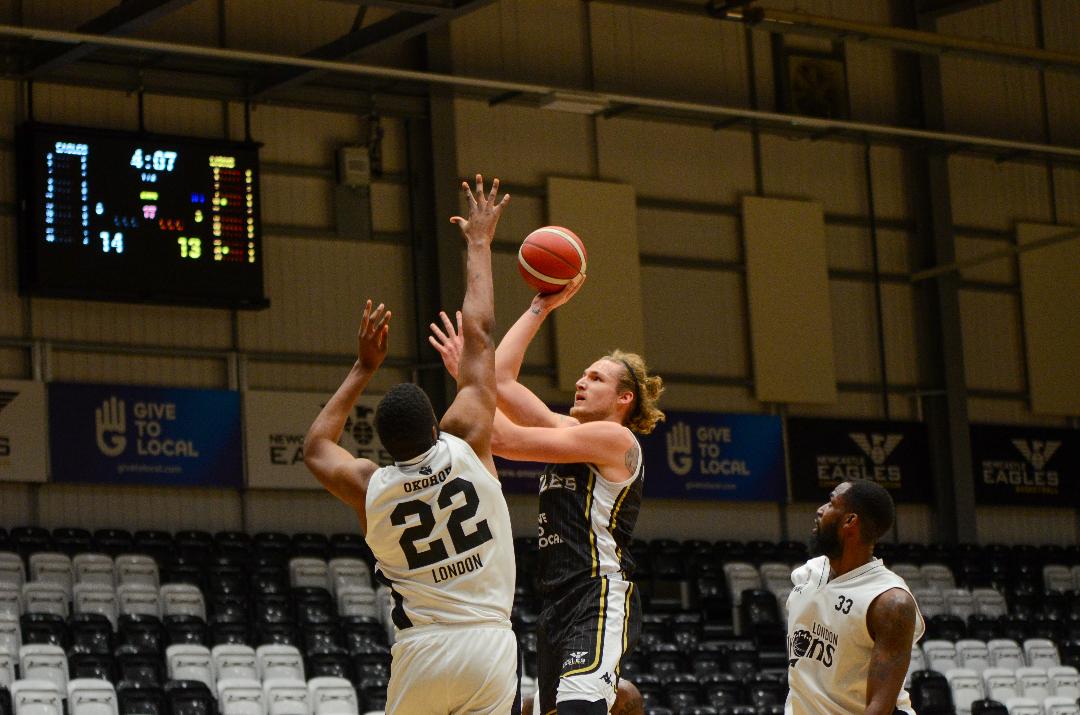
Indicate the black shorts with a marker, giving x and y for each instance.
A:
(583, 632)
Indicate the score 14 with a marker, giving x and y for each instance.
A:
(190, 247)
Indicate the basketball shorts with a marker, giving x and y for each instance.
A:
(582, 634)
(465, 669)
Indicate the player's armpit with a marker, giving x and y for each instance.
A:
(343, 475)
(891, 622)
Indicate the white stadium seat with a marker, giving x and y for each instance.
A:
(44, 662)
(931, 603)
(357, 600)
(140, 599)
(12, 571)
(1057, 578)
(740, 577)
(959, 602)
(136, 568)
(234, 662)
(94, 568)
(91, 597)
(182, 599)
(7, 669)
(967, 687)
(775, 575)
(973, 654)
(280, 662)
(1000, 684)
(1064, 681)
(1034, 683)
(1005, 653)
(43, 597)
(332, 696)
(940, 655)
(10, 634)
(1041, 653)
(989, 602)
(1056, 705)
(11, 603)
(240, 696)
(1023, 706)
(286, 697)
(37, 697)
(49, 567)
(190, 662)
(345, 572)
(938, 576)
(911, 574)
(91, 697)
(307, 572)
(917, 662)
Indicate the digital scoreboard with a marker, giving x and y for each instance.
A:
(137, 217)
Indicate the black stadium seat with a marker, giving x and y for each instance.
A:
(189, 697)
(349, 546)
(233, 544)
(372, 692)
(5, 702)
(319, 636)
(238, 633)
(683, 690)
(276, 634)
(92, 631)
(72, 541)
(139, 666)
(145, 633)
(723, 689)
(988, 707)
(310, 545)
(86, 664)
(930, 693)
(186, 629)
(26, 540)
(140, 698)
(113, 542)
(158, 544)
(329, 661)
(44, 629)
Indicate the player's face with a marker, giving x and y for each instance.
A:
(825, 536)
(596, 394)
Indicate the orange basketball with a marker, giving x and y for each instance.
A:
(550, 257)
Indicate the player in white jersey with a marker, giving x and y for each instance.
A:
(851, 622)
(436, 519)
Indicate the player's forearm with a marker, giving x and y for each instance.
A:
(478, 308)
(331, 420)
(510, 354)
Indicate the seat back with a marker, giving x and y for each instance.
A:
(93, 597)
(37, 697)
(45, 597)
(10, 633)
(138, 598)
(235, 662)
(1005, 653)
(1033, 682)
(1055, 705)
(938, 576)
(182, 599)
(12, 571)
(973, 654)
(1000, 684)
(1041, 653)
(1057, 577)
(136, 568)
(284, 696)
(190, 662)
(1064, 681)
(280, 662)
(44, 662)
(356, 600)
(94, 568)
(931, 602)
(332, 696)
(240, 696)
(52, 567)
(940, 655)
(959, 602)
(308, 572)
(966, 686)
(7, 669)
(1023, 706)
(346, 572)
(91, 697)
(989, 602)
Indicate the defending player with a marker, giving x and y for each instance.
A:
(851, 622)
(436, 519)
(590, 494)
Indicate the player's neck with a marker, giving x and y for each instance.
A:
(850, 559)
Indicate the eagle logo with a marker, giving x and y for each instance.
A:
(1038, 452)
(877, 446)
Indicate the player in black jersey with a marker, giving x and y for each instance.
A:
(590, 494)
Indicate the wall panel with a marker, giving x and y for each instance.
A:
(631, 54)
(301, 136)
(673, 233)
(1019, 525)
(171, 509)
(131, 324)
(138, 369)
(892, 190)
(512, 298)
(301, 377)
(1001, 270)
(16, 504)
(295, 27)
(695, 321)
(854, 321)
(85, 107)
(1060, 20)
(12, 315)
(1014, 412)
(671, 161)
(317, 291)
(521, 145)
(293, 511)
(1067, 194)
(390, 207)
(707, 398)
(915, 523)
(196, 23)
(15, 363)
(741, 521)
(993, 354)
(900, 321)
(296, 201)
(987, 194)
(831, 173)
(185, 115)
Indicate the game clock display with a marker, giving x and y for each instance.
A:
(137, 217)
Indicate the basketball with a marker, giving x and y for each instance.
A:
(550, 257)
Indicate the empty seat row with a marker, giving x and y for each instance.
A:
(976, 655)
(965, 694)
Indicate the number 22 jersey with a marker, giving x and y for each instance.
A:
(440, 532)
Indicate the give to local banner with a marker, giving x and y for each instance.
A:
(824, 453)
(123, 434)
(709, 455)
(274, 427)
(22, 431)
(1026, 466)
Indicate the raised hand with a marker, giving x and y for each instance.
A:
(484, 212)
(373, 337)
(547, 302)
(449, 343)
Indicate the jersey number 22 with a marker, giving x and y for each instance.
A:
(436, 550)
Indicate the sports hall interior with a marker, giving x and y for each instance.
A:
(916, 145)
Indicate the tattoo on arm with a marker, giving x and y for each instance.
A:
(535, 311)
(632, 457)
(892, 620)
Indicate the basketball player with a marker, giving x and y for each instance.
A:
(851, 622)
(590, 494)
(436, 519)
(628, 701)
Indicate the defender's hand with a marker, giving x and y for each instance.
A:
(373, 337)
(448, 344)
(484, 212)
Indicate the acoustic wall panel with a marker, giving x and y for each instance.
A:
(790, 312)
(1050, 291)
(607, 313)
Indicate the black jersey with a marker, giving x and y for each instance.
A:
(586, 524)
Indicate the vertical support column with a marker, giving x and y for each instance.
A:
(938, 301)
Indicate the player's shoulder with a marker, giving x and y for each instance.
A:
(810, 571)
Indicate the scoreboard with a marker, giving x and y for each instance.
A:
(138, 217)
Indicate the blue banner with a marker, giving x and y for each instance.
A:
(122, 434)
(709, 455)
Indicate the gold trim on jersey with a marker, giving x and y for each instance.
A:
(594, 551)
(625, 624)
(615, 518)
(601, 624)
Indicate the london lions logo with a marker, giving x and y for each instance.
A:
(816, 643)
(1037, 452)
(875, 445)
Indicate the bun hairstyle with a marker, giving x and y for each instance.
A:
(647, 389)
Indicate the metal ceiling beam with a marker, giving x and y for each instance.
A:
(394, 29)
(128, 16)
(669, 109)
(940, 8)
(430, 8)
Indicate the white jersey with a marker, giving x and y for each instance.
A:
(829, 645)
(440, 531)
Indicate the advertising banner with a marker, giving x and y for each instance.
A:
(274, 427)
(824, 453)
(1026, 466)
(22, 431)
(709, 455)
(125, 434)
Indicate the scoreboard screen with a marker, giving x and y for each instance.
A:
(138, 217)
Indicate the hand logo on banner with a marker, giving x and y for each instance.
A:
(679, 449)
(110, 421)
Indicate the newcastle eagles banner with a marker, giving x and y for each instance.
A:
(274, 427)
(1026, 466)
(122, 434)
(22, 431)
(709, 455)
(824, 453)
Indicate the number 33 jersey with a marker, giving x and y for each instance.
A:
(829, 644)
(440, 531)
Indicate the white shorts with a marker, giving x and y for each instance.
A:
(440, 670)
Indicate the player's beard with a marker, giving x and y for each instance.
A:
(826, 541)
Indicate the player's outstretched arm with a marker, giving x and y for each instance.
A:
(473, 409)
(608, 445)
(343, 475)
(891, 620)
(515, 400)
